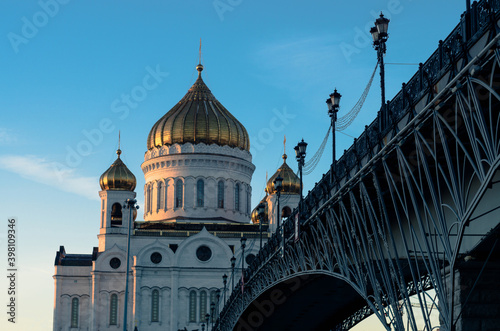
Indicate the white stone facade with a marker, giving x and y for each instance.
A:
(176, 264)
(197, 209)
(175, 277)
(193, 182)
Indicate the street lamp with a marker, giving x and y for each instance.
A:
(260, 211)
(243, 241)
(278, 186)
(224, 281)
(243, 245)
(333, 104)
(300, 154)
(212, 310)
(130, 204)
(207, 320)
(233, 263)
(380, 36)
(218, 303)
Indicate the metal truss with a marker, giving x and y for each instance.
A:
(393, 226)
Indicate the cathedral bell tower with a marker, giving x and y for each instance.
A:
(117, 185)
(290, 194)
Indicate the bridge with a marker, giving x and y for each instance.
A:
(412, 205)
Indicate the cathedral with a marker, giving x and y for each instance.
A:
(199, 230)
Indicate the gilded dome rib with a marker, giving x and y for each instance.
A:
(290, 184)
(223, 132)
(199, 118)
(214, 124)
(118, 177)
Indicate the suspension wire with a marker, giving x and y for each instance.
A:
(345, 134)
(341, 124)
(346, 120)
(310, 165)
(402, 64)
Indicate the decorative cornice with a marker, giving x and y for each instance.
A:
(201, 148)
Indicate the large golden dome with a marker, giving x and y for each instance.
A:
(118, 177)
(291, 183)
(199, 118)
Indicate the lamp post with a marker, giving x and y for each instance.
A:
(278, 186)
(233, 263)
(217, 304)
(243, 245)
(380, 36)
(300, 154)
(224, 281)
(131, 205)
(207, 320)
(243, 241)
(212, 310)
(333, 108)
(260, 211)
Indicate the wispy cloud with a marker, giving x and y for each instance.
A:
(302, 60)
(50, 173)
(7, 137)
(303, 53)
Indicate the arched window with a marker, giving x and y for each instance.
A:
(165, 196)
(220, 194)
(151, 198)
(203, 305)
(248, 201)
(237, 197)
(74, 313)
(161, 194)
(116, 214)
(178, 194)
(147, 197)
(192, 306)
(155, 306)
(113, 309)
(200, 193)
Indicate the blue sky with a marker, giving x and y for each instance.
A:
(68, 66)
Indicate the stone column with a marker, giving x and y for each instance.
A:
(94, 301)
(174, 298)
(57, 304)
(137, 300)
(477, 307)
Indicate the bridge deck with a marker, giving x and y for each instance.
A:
(409, 204)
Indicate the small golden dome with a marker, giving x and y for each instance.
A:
(255, 214)
(199, 118)
(291, 183)
(118, 177)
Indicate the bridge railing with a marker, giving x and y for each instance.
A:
(450, 51)
(445, 59)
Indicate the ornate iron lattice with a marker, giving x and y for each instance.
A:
(396, 228)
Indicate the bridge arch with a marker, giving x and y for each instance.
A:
(307, 300)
